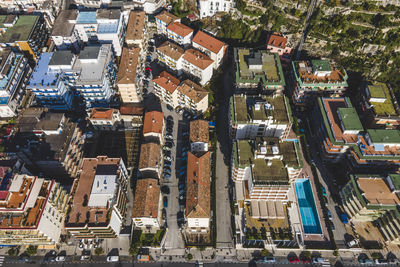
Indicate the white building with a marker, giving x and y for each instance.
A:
(99, 201)
(81, 27)
(198, 201)
(171, 55)
(208, 8)
(92, 3)
(259, 117)
(180, 33)
(104, 119)
(198, 64)
(186, 94)
(146, 212)
(163, 20)
(32, 211)
(212, 47)
(14, 72)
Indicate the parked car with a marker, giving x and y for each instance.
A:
(167, 158)
(181, 186)
(166, 175)
(165, 200)
(112, 258)
(323, 191)
(60, 258)
(167, 163)
(344, 218)
(293, 259)
(169, 136)
(166, 148)
(169, 144)
(166, 171)
(170, 108)
(381, 262)
(329, 215)
(170, 118)
(85, 255)
(332, 226)
(352, 243)
(165, 189)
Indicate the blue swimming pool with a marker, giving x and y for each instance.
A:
(308, 211)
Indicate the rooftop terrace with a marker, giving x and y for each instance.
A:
(381, 91)
(249, 109)
(253, 66)
(20, 31)
(269, 171)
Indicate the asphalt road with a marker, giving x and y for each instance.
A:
(305, 31)
(223, 213)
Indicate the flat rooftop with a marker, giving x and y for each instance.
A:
(41, 76)
(333, 120)
(255, 65)
(376, 191)
(81, 213)
(248, 108)
(245, 152)
(20, 31)
(269, 171)
(383, 136)
(350, 119)
(381, 91)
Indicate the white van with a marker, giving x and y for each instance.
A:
(112, 258)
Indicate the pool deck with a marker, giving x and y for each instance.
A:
(306, 172)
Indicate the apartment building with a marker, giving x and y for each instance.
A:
(171, 55)
(127, 82)
(277, 43)
(104, 119)
(48, 80)
(379, 105)
(96, 73)
(146, 211)
(259, 116)
(317, 78)
(198, 199)
(136, 32)
(32, 211)
(263, 170)
(199, 136)
(374, 198)
(48, 143)
(186, 94)
(341, 134)
(198, 64)
(256, 68)
(153, 126)
(163, 20)
(180, 33)
(150, 161)
(211, 46)
(209, 8)
(99, 199)
(84, 27)
(14, 72)
(149, 6)
(27, 32)
(92, 3)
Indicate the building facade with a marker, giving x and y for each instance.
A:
(208, 8)
(127, 81)
(211, 46)
(163, 20)
(180, 33)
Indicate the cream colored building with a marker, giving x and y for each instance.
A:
(126, 82)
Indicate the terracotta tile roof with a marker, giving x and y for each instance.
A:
(150, 156)
(102, 114)
(277, 41)
(193, 90)
(197, 58)
(147, 197)
(79, 212)
(131, 109)
(180, 29)
(199, 131)
(128, 65)
(171, 50)
(198, 186)
(167, 81)
(167, 17)
(153, 122)
(208, 42)
(134, 30)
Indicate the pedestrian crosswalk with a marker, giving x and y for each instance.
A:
(1, 260)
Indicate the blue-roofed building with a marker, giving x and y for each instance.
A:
(50, 80)
(103, 25)
(14, 69)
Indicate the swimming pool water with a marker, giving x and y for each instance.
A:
(307, 208)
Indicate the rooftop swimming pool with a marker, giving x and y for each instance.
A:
(307, 208)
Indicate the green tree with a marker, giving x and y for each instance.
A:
(133, 250)
(99, 251)
(31, 250)
(189, 257)
(264, 253)
(13, 251)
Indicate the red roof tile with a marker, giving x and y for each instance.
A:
(180, 29)
(167, 81)
(153, 122)
(277, 41)
(208, 42)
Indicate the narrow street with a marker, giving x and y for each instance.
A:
(224, 229)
